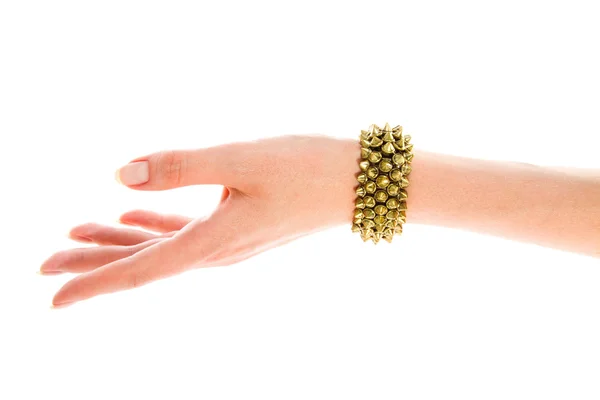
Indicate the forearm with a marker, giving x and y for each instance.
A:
(546, 206)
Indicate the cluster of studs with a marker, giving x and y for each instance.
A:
(386, 155)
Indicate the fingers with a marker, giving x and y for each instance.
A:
(107, 235)
(154, 221)
(165, 258)
(87, 259)
(157, 261)
(177, 168)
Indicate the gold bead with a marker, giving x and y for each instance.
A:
(356, 228)
(395, 175)
(406, 169)
(376, 141)
(398, 159)
(383, 181)
(403, 182)
(359, 203)
(372, 172)
(368, 224)
(369, 201)
(370, 187)
(362, 177)
(388, 148)
(380, 209)
(393, 215)
(385, 165)
(369, 213)
(392, 203)
(379, 220)
(393, 189)
(364, 152)
(388, 137)
(360, 191)
(381, 196)
(375, 156)
(358, 214)
(364, 164)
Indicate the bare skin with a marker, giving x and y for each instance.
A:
(264, 179)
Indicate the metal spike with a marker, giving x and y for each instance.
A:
(376, 142)
(375, 156)
(398, 159)
(388, 148)
(362, 177)
(369, 201)
(369, 213)
(364, 152)
(358, 213)
(398, 144)
(368, 224)
(388, 137)
(387, 128)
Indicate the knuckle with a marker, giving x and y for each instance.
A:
(171, 166)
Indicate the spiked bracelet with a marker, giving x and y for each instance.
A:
(386, 155)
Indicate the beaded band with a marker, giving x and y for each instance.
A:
(386, 155)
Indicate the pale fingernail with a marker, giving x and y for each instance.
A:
(134, 173)
(62, 305)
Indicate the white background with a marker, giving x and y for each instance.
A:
(440, 314)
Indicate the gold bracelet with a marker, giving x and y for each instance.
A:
(386, 155)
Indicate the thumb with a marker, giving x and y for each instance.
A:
(177, 168)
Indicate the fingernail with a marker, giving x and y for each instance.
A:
(40, 272)
(80, 238)
(134, 173)
(61, 305)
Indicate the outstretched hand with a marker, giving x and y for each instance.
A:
(275, 190)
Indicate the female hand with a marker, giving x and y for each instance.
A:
(275, 190)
